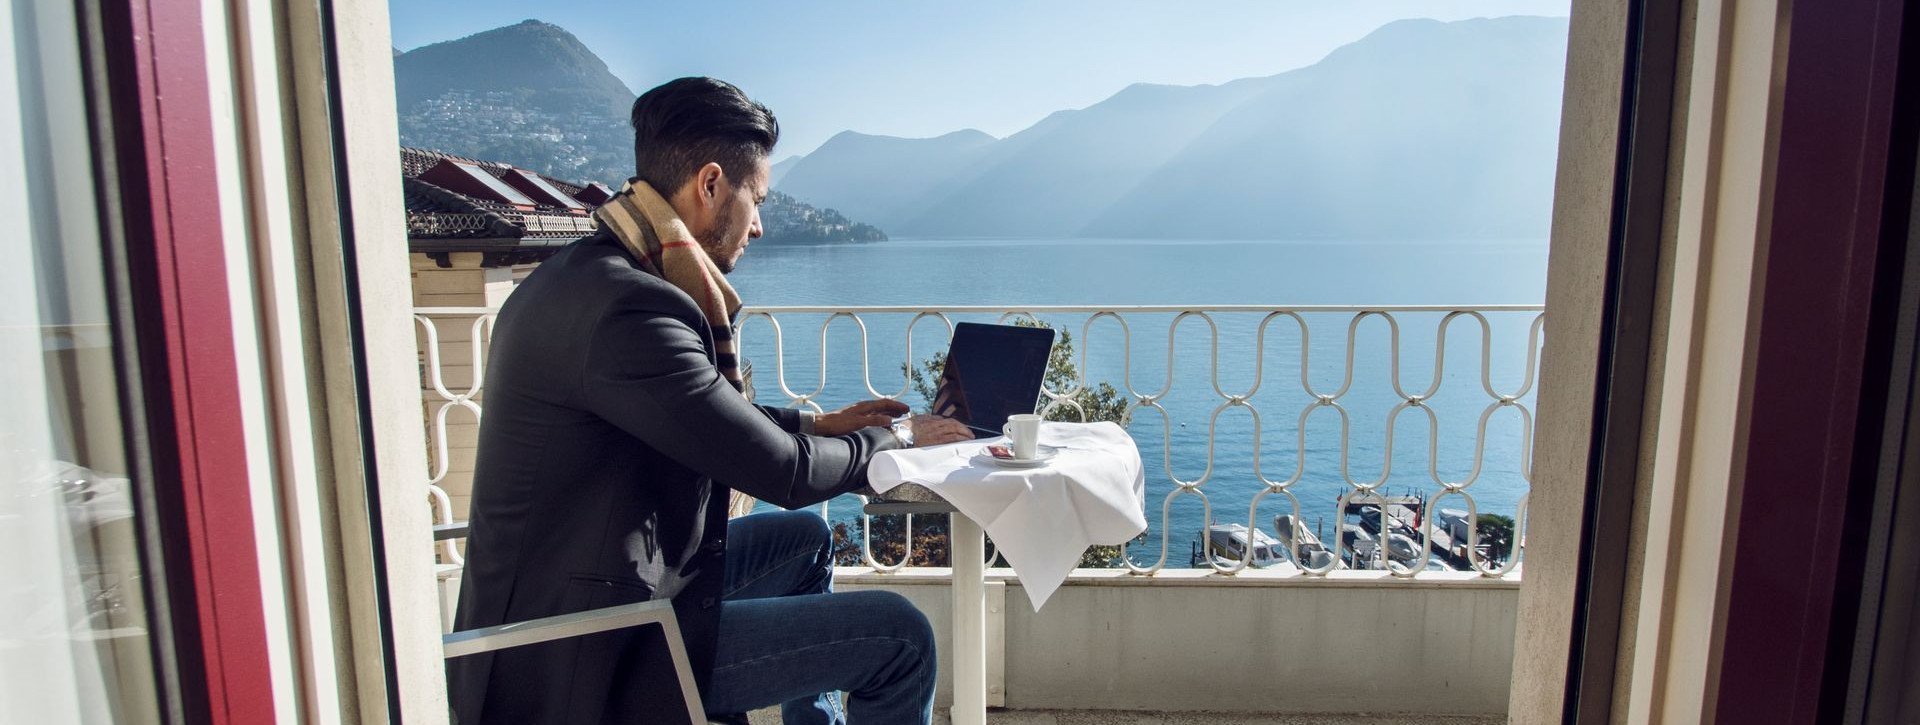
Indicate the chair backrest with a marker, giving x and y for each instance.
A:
(578, 624)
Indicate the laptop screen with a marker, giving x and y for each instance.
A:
(992, 371)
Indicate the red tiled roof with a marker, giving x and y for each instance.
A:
(471, 180)
(459, 204)
(594, 193)
(537, 187)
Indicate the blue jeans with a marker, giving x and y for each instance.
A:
(784, 639)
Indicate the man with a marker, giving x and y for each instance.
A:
(616, 429)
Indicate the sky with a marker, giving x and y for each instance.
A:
(915, 69)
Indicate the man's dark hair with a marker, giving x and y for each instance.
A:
(683, 124)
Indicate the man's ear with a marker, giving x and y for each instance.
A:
(707, 181)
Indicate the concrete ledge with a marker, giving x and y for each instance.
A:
(1196, 577)
(1332, 649)
(771, 716)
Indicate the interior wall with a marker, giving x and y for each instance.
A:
(1576, 278)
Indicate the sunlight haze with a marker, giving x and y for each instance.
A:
(925, 69)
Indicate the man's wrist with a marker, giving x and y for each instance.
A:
(903, 432)
(808, 422)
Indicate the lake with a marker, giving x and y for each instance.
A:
(1174, 435)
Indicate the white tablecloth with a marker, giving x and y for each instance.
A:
(1040, 519)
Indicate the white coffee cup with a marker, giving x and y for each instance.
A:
(1023, 433)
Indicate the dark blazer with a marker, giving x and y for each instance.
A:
(607, 453)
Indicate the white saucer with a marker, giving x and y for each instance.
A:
(1042, 455)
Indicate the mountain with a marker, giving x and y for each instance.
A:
(532, 95)
(786, 220)
(779, 169)
(529, 94)
(1053, 178)
(543, 64)
(860, 174)
(1421, 129)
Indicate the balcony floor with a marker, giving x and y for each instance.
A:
(1117, 717)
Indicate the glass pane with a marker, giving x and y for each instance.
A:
(73, 622)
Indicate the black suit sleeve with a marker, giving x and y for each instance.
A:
(787, 418)
(648, 373)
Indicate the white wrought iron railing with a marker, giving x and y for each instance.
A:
(1438, 532)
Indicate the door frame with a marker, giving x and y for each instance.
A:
(1757, 405)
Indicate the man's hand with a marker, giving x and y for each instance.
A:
(928, 430)
(933, 430)
(863, 414)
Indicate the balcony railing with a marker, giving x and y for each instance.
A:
(1485, 377)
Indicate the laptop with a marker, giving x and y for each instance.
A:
(992, 372)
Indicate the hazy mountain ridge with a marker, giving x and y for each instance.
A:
(843, 169)
(532, 95)
(1424, 129)
(1053, 178)
(1420, 129)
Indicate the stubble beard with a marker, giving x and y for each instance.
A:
(712, 243)
(715, 239)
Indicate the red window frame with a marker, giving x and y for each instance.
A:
(156, 106)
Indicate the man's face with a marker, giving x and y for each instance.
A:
(736, 217)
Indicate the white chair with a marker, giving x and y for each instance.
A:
(578, 624)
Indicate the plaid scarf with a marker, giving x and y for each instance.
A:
(659, 240)
(654, 233)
